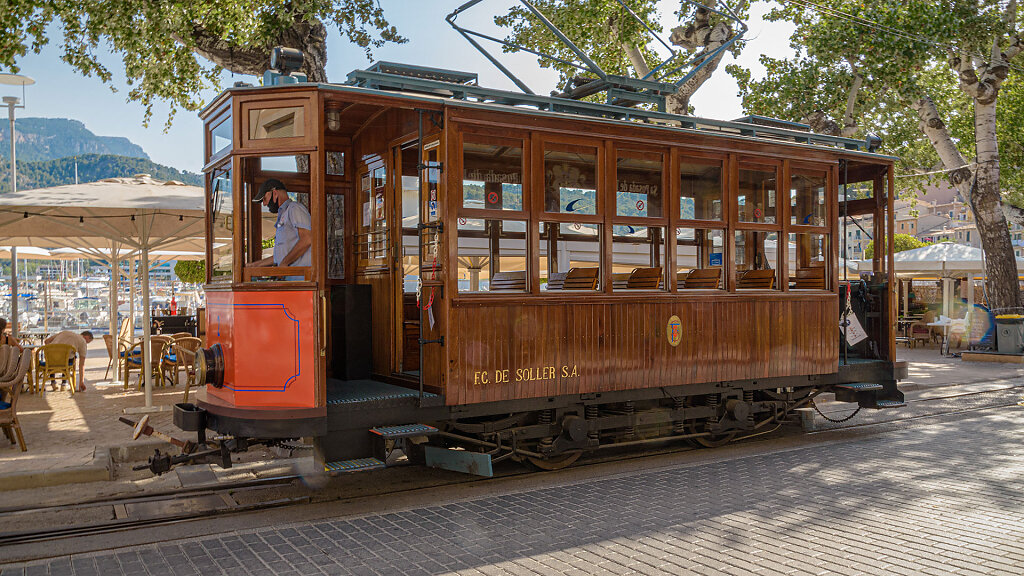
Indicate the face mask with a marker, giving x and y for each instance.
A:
(273, 206)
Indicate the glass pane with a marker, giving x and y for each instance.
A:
(570, 256)
(808, 257)
(700, 191)
(220, 136)
(638, 258)
(807, 199)
(570, 179)
(756, 255)
(222, 211)
(638, 185)
(699, 258)
(335, 163)
(492, 176)
(276, 123)
(756, 198)
(297, 164)
(336, 236)
(492, 255)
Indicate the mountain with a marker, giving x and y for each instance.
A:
(52, 138)
(91, 168)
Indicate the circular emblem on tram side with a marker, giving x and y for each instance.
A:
(674, 330)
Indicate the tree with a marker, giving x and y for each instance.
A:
(926, 74)
(618, 43)
(163, 44)
(900, 243)
(190, 271)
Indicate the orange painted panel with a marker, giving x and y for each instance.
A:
(269, 342)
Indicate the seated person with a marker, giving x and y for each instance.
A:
(5, 338)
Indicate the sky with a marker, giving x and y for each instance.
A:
(60, 92)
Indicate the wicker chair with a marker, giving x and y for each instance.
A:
(134, 359)
(14, 364)
(179, 356)
(53, 360)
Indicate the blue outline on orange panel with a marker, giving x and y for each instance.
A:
(298, 347)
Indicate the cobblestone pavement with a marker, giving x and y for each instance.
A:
(942, 497)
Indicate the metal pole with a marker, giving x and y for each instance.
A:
(11, 102)
(146, 352)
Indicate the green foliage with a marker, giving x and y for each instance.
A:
(600, 28)
(91, 168)
(900, 243)
(157, 42)
(191, 271)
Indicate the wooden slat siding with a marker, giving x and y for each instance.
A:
(623, 346)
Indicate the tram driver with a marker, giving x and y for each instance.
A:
(292, 236)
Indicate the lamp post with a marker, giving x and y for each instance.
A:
(12, 102)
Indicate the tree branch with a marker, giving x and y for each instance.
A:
(931, 124)
(696, 34)
(305, 35)
(636, 57)
(849, 120)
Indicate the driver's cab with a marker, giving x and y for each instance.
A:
(363, 176)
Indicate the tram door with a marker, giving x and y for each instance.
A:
(420, 281)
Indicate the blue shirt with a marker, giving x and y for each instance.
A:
(291, 216)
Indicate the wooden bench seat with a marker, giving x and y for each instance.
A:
(700, 278)
(644, 278)
(810, 278)
(756, 280)
(508, 281)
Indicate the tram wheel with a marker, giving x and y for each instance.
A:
(711, 441)
(556, 462)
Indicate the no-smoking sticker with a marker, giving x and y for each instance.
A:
(492, 197)
(757, 212)
(640, 205)
(462, 221)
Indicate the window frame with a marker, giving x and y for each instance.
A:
(613, 219)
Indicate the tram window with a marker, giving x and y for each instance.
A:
(570, 256)
(700, 190)
(756, 257)
(296, 164)
(335, 163)
(756, 197)
(261, 230)
(276, 122)
(638, 257)
(222, 212)
(807, 198)
(638, 185)
(808, 257)
(570, 179)
(491, 255)
(699, 257)
(336, 236)
(492, 176)
(220, 136)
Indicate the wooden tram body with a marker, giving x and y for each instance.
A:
(533, 277)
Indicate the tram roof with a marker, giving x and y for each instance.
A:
(428, 88)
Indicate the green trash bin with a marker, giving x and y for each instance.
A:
(1010, 333)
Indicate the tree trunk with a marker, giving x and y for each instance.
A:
(1003, 289)
(310, 36)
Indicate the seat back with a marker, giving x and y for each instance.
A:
(509, 281)
(703, 278)
(620, 280)
(556, 280)
(645, 278)
(810, 278)
(581, 279)
(158, 346)
(57, 355)
(108, 341)
(756, 279)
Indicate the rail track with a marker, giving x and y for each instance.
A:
(196, 503)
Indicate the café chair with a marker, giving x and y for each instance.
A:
(14, 364)
(53, 360)
(134, 360)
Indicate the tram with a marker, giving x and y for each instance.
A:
(497, 275)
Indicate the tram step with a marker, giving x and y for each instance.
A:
(404, 431)
(889, 404)
(356, 465)
(860, 386)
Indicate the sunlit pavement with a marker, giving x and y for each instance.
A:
(945, 496)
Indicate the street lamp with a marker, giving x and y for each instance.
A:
(12, 102)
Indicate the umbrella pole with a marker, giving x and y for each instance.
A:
(146, 352)
(14, 291)
(115, 269)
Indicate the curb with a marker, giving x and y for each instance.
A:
(101, 469)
